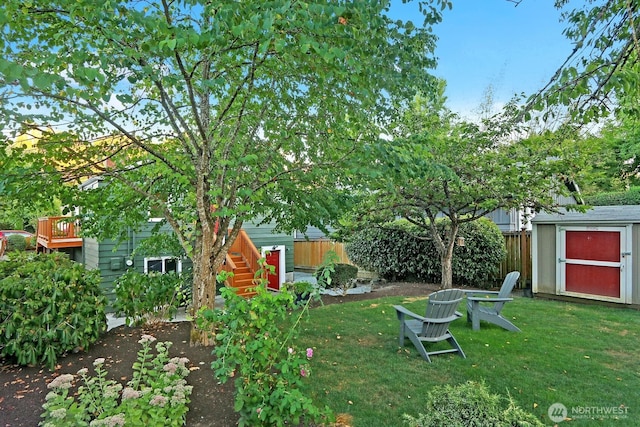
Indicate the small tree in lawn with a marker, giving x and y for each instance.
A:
(215, 113)
(438, 167)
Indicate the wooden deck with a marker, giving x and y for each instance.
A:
(57, 232)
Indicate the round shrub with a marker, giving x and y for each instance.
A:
(402, 251)
(16, 242)
(470, 404)
(49, 305)
(477, 263)
(341, 275)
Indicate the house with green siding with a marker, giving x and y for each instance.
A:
(114, 258)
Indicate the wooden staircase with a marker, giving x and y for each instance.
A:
(242, 276)
(242, 261)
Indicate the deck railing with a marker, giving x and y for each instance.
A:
(58, 231)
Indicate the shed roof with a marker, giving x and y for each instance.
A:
(598, 214)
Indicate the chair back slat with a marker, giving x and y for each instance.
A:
(507, 287)
(441, 305)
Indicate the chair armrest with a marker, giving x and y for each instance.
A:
(473, 293)
(400, 310)
(484, 299)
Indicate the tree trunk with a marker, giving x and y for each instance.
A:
(446, 259)
(206, 263)
(446, 256)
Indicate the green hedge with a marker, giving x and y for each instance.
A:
(401, 251)
(629, 197)
(49, 305)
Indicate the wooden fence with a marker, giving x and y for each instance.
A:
(518, 244)
(307, 255)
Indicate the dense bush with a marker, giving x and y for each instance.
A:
(341, 275)
(401, 251)
(143, 298)
(16, 242)
(629, 197)
(49, 305)
(470, 404)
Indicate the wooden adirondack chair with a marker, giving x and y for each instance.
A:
(477, 308)
(434, 326)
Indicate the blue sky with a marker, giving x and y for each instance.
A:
(485, 43)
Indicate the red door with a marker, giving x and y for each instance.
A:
(593, 262)
(273, 258)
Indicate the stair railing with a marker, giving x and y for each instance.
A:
(229, 266)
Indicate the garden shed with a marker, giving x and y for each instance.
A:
(593, 255)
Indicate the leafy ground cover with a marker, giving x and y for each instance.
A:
(579, 355)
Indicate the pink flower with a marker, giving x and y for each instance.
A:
(158, 400)
(129, 393)
(290, 350)
(303, 372)
(146, 339)
(62, 382)
(309, 353)
(170, 368)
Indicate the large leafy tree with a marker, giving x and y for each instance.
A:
(213, 113)
(599, 83)
(436, 166)
(602, 74)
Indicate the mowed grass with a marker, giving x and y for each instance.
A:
(584, 356)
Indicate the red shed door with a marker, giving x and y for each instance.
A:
(592, 262)
(273, 258)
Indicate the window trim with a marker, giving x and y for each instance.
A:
(164, 264)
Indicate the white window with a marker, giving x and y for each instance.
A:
(163, 265)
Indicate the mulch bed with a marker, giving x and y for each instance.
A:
(24, 388)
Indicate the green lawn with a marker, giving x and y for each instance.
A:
(583, 356)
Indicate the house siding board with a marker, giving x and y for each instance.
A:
(263, 235)
(546, 250)
(503, 219)
(108, 250)
(99, 255)
(312, 233)
(635, 276)
(90, 254)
